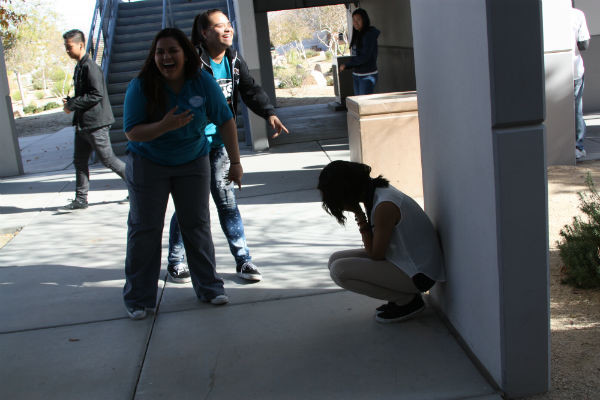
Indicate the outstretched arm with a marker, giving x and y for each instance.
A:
(277, 126)
(255, 97)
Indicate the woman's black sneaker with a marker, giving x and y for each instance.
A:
(179, 273)
(395, 313)
(385, 306)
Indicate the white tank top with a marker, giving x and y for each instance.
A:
(414, 246)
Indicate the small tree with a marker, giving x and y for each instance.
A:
(9, 22)
(580, 245)
(285, 27)
(333, 21)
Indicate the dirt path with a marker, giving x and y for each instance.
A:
(45, 122)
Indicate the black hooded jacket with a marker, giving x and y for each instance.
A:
(364, 57)
(244, 85)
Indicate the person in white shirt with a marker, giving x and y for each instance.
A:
(401, 257)
(581, 41)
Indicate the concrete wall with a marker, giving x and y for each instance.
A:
(591, 57)
(10, 154)
(484, 178)
(558, 59)
(395, 61)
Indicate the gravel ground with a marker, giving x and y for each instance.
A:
(575, 313)
(46, 122)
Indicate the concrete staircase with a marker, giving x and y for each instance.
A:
(137, 24)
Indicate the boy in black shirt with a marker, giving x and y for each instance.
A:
(92, 118)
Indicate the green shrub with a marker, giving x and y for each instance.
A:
(579, 247)
(37, 84)
(289, 77)
(16, 96)
(293, 57)
(40, 94)
(59, 91)
(330, 81)
(57, 74)
(328, 55)
(311, 53)
(51, 105)
(30, 109)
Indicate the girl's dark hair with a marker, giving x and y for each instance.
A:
(201, 22)
(357, 35)
(153, 82)
(345, 183)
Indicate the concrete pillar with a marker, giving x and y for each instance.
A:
(560, 105)
(248, 39)
(591, 57)
(264, 55)
(480, 84)
(10, 154)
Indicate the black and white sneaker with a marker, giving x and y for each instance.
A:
(77, 204)
(136, 312)
(179, 273)
(219, 300)
(392, 312)
(249, 272)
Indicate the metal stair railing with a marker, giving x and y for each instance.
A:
(102, 32)
(167, 15)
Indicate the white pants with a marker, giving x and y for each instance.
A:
(355, 271)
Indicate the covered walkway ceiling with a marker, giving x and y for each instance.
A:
(277, 5)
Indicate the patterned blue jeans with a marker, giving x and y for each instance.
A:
(229, 214)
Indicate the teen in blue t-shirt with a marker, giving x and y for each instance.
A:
(167, 108)
(212, 34)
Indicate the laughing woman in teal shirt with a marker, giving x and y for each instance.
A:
(167, 108)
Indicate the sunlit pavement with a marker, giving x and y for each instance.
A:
(64, 333)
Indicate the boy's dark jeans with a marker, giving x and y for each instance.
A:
(96, 140)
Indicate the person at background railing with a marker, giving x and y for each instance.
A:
(166, 110)
(212, 34)
(364, 53)
(92, 118)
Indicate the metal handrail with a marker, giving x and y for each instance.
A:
(102, 31)
(233, 20)
(167, 15)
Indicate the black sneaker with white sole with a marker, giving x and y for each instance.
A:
(392, 312)
(136, 312)
(248, 271)
(179, 273)
(385, 307)
(77, 204)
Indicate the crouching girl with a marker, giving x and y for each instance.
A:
(401, 257)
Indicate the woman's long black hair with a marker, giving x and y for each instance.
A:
(345, 183)
(357, 35)
(152, 80)
(201, 23)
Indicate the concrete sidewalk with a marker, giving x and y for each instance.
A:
(64, 333)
